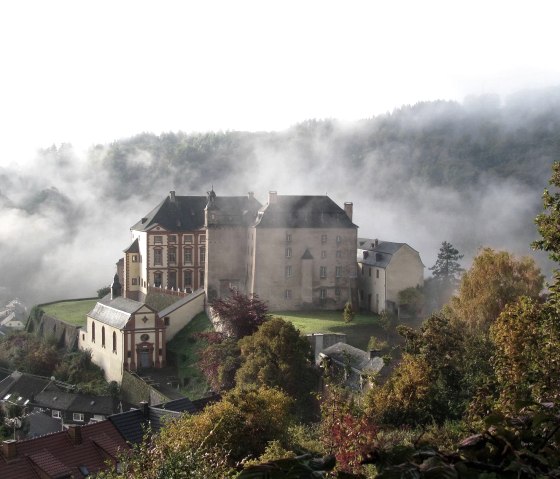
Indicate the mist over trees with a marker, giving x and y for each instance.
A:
(470, 173)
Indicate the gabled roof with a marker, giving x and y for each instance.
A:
(58, 455)
(359, 360)
(116, 312)
(373, 252)
(295, 211)
(64, 401)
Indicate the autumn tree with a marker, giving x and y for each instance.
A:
(495, 279)
(219, 361)
(239, 314)
(278, 356)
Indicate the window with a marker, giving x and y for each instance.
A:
(323, 271)
(188, 277)
(323, 254)
(187, 252)
(78, 416)
(172, 255)
(135, 258)
(202, 255)
(339, 239)
(323, 239)
(158, 257)
(157, 280)
(201, 279)
(92, 332)
(144, 337)
(202, 239)
(56, 414)
(288, 271)
(338, 271)
(102, 336)
(129, 354)
(377, 273)
(172, 279)
(160, 351)
(288, 237)
(173, 238)
(288, 294)
(338, 253)
(114, 342)
(158, 240)
(134, 281)
(188, 239)
(323, 293)
(337, 291)
(166, 321)
(288, 252)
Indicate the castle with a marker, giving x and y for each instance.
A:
(293, 252)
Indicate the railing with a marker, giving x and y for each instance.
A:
(180, 293)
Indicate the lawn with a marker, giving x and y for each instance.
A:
(185, 348)
(357, 332)
(73, 312)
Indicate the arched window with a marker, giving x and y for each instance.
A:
(92, 332)
(114, 342)
(103, 336)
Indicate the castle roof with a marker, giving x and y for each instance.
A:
(115, 312)
(186, 213)
(299, 211)
(133, 248)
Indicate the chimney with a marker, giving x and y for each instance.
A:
(75, 433)
(9, 448)
(349, 209)
(272, 196)
(375, 243)
(172, 196)
(251, 194)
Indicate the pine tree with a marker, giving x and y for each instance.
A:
(447, 266)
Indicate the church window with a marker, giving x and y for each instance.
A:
(158, 257)
(288, 271)
(158, 240)
(323, 271)
(92, 332)
(114, 342)
(103, 336)
(288, 252)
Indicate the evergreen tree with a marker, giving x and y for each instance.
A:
(447, 266)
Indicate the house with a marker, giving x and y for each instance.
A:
(80, 451)
(293, 252)
(123, 334)
(20, 388)
(73, 408)
(384, 269)
(354, 365)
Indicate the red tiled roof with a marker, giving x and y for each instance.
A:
(55, 455)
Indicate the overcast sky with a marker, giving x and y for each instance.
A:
(89, 72)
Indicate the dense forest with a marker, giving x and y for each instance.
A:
(469, 172)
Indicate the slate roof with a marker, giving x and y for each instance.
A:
(295, 211)
(379, 255)
(115, 312)
(360, 360)
(58, 455)
(75, 402)
(23, 385)
(133, 248)
(186, 213)
(130, 424)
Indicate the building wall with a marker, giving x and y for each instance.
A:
(178, 318)
(283, 278)
(404, 271)
(110, 360)
(372, 281)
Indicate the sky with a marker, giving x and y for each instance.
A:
(92, 72)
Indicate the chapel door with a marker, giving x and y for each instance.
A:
(145, 359)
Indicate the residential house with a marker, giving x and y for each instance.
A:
(384, 269)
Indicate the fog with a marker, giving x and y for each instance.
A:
(66, 214)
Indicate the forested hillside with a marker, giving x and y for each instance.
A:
(471, 173)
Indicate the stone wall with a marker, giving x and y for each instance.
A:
(134, 390)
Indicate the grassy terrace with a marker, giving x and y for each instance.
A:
(357, 332)
(73, 312)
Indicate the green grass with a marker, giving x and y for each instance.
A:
(357, 332)
(73, 312)
(186, 350)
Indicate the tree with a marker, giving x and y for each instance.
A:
(239, 314)
(278, 356)
(412, 299)
(348, 314)
(447, 265)
(495, 279)
(104, 291)
(219, 361)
